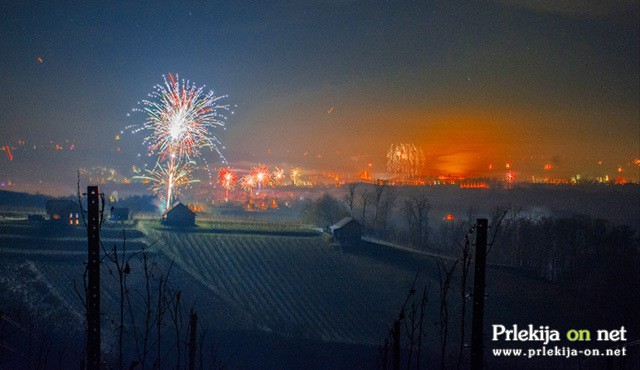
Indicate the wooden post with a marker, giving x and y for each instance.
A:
(477, 322)
(93, 276)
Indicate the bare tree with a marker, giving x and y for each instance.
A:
(445, 275)
(325, 211)
(414, 327)
(416, 212)
(497, 218)
(350, 196)
(412, 316)
(392, 342)
(330, 209)
(379, 191)
(383, 200)
(142, 336)
(365, 200)
(122, 268)
(159, 317)
(176, 315)
(465, 263)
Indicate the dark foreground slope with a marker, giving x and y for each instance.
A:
(265, 301)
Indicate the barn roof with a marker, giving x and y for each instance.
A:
(342, 223)
(177, 206)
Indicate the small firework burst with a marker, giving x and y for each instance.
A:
(277, 176)
(227, 179)
(261, 175)
(248, 182)
(295, 175)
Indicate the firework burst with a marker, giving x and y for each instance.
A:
(295, 175)
(248, 182)
(227, 179)
(168, 180)
(277, 176)
(180, 118)
(261, 175)
(405, 162)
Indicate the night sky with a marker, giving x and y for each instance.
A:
(328, 85)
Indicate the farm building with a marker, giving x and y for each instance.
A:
(179, 215)
(65, 211)
(347, 231)
(119, 214)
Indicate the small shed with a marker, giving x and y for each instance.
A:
(347, 231)
(119, 214)
(179, 215)
(64, 211)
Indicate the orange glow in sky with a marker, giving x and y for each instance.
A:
(457, 139)
(462, 144)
